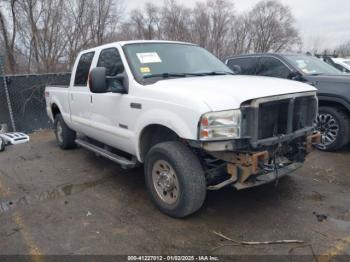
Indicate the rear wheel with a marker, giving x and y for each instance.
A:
(64, 135)
(2, 144)
(175, 179)
(334, 126)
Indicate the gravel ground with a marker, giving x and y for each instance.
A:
(72, 202)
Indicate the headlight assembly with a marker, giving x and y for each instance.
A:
(220, 125)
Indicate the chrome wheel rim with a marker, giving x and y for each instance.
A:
(165, 182)
(59, 132)
(329, 128)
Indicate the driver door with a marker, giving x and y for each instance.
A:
(109, 114)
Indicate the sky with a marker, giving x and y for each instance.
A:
(321, 23)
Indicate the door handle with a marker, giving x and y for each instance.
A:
(91, 99)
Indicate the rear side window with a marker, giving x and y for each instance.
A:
(83, 68)
(269, 66)
(243, 66)
(110, 59)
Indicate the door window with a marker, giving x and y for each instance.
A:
(111, 60)
(269, 66)
(83, 68)
(243, 66)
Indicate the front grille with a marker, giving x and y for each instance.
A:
(273, 118)
(304, 112)
(281, 117)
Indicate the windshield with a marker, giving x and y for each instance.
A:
(164, 60)
(312, 66)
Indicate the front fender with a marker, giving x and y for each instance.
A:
(184, 126)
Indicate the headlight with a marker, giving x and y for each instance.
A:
(220, 125)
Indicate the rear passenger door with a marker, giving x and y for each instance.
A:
(273, 67)
(243, 65)
(80, 95)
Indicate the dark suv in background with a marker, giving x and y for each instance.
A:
(333, 120)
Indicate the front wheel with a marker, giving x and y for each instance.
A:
(334, 126)
(175, 179)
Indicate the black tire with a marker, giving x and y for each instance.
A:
(2, 144)
(334, 122)
(66, 137)
(190, 178)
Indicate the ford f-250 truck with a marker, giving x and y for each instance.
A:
(179, 110)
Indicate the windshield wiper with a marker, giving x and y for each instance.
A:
(168, 75)
(165, 75)
(213, 73)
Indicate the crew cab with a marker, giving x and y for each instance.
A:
(333, 120)
(181, 112)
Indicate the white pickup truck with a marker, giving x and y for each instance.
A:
(179, 110)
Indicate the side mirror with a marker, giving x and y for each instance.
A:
(97, 80)
(237, 69)
(295, 75)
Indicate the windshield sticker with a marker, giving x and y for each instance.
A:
(145, 70)
(301, 63)
(147, 58)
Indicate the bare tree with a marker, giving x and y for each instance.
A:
(145, 24)
(240, 40)
(8, 33)
(272, 27)
(51, 39)
(47, 35)
(175, 21)
(221, 15)
(200, 26)
(105, 19)
(343, 50)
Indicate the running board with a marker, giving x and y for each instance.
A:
(125, 163)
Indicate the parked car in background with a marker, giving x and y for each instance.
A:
(179, 110)
(342, 64)
(338, 63)
(333, 120)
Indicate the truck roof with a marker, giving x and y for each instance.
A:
(263, 54)
(123, 43)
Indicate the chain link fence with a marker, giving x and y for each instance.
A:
(22, 101)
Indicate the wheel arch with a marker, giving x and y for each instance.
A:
(55, 110)
(153, 134)
(334, 102)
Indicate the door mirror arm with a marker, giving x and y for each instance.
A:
(123, 80)
(296, 76)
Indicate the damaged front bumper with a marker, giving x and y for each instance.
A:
(267, 178)
(248, 170)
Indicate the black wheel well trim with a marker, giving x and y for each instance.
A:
(332, 101)
(153, 134)
(55, 110)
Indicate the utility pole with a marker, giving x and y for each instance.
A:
(2, 73)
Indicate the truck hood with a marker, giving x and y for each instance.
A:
(341, 79)
(332, 86)
(230, 91)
